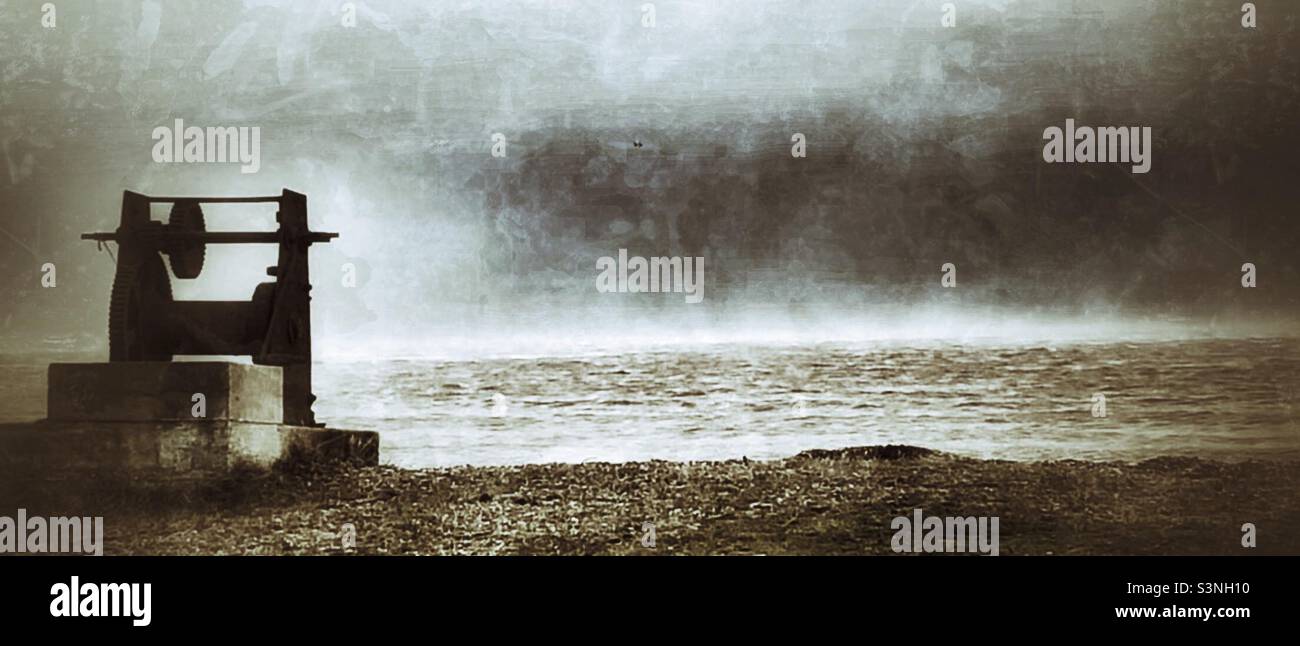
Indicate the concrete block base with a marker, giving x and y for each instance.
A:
(147, 391)
(171, 450)
(136, 421)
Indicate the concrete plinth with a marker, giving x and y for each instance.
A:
(137, 420)
(148, 391)
(172, 450)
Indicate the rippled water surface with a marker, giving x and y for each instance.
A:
(1221, 398)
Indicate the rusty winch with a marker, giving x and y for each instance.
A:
(274, 328)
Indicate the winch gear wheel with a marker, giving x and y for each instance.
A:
(142, 292)
(186, 258)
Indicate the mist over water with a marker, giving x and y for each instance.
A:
(770, 382)
(546, 332)
(474, 332)
(987, 384)
(1229, 399)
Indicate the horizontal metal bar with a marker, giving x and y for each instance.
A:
(215, 200)
(215, 237)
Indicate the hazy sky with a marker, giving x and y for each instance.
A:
(924, 148)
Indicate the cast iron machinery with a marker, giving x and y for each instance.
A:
(274, 328)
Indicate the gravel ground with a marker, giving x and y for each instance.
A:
(818, 502)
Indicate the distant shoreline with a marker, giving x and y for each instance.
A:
(835, 502)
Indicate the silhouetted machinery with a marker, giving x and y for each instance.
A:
(146, 324)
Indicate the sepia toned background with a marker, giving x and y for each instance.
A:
(923, 148)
